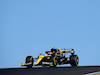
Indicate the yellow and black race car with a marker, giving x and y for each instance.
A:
(53, 58)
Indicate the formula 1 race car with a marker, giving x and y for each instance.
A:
(53, 58)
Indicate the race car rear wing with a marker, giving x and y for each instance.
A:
(67, 51)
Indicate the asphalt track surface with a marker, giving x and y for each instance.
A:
(80, 70)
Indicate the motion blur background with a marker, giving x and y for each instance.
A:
(31, 27)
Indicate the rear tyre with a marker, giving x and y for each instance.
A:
(28, 60)
(74, 60)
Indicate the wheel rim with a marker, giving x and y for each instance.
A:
(76, 60)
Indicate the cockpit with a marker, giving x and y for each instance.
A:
(53, 51)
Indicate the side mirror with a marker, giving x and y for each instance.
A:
(47, 52)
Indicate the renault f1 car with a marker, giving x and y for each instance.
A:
(53, 58)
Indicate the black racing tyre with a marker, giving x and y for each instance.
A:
(74, 60)
(28, 60)
(53, 59)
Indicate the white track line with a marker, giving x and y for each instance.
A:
(97, 73)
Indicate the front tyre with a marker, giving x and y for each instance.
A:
(74, 60)
(29, 59)
(54, 60)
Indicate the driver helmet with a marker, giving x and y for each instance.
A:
(51, 53)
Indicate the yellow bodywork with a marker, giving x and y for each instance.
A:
(47, 55)
(31, 59)
(23, 63)
(60, 51)
(40, 58)
(53, 59)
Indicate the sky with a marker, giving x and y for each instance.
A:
(31, 27)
